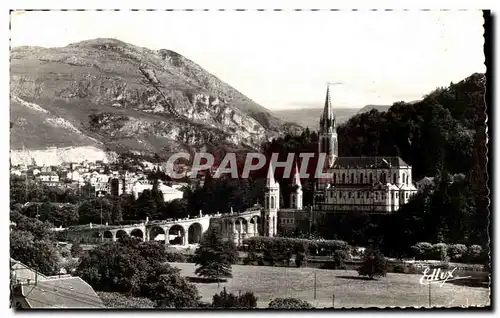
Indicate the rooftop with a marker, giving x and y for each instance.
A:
(67, 292)
(369, 162)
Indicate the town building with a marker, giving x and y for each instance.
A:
(169, 193)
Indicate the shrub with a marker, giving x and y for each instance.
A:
(374, 264)
(439, 252)
(117, 300)
(398, 269)
(300, 259)
(176, 257)
(229, 300)
(457, 252)
(289, 303)
(253, 259)
(339, 258)
(475, 254)
(421, 249)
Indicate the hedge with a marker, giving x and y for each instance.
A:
(323, 247)
(454, 252)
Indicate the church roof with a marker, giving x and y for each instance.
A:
(369, 162)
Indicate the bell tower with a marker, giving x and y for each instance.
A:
(271, 204)
(296, 194)
(328, 142)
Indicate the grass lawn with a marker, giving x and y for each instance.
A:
(395, 290)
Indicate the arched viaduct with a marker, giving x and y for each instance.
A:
(233, 226)
(176, 232)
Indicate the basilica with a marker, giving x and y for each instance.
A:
(375, 185)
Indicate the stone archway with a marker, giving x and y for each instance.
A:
(108, 236)
(157, 234)
(176, 235)
(137, 233)
(254, 225)
(195, 232)
(121, 233)
(241, 225)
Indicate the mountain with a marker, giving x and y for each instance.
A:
(368, 108)
(309, 117)
(114, 96)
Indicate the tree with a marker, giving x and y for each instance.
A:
(214, 257)
(289, 303)
(76, 249)
(40, 255)
(164, 285)
(229, 300)
(132, 267)
(374, 264)
(145, 205)
(40, 230)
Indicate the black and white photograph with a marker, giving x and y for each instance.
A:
(249, 159)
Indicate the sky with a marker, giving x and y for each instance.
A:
(283, 60)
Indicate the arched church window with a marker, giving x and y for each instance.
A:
(371, 177)
(334, 178)
(343, 177)
(361, 180)
(352, 177)
(407, 180)
(272, 202)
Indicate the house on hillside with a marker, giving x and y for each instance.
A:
(169, 193)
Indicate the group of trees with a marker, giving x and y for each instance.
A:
(32, 243)
(138, 269)
(441, 135)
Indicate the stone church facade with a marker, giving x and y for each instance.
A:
(368, 184)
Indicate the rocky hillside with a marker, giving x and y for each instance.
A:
(111, 95)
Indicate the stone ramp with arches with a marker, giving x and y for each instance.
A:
(239, 226)
(174, 232)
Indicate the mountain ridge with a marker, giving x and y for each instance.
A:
(120, 97)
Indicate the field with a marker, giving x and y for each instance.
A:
(350, 290)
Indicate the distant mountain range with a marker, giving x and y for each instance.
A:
(309, 117)
(114, 96)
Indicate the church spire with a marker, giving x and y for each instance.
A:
(270, 182)
(296, 177)
(327, 131)
(327, 120)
